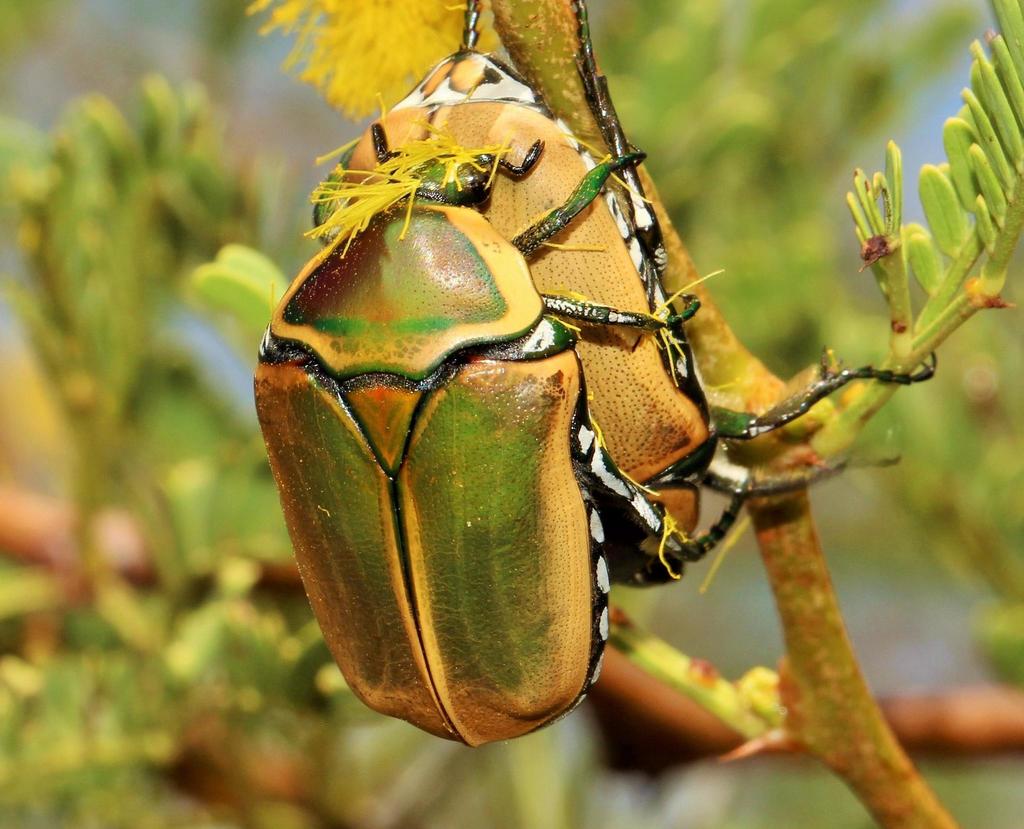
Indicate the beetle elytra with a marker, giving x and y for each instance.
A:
(451, 505)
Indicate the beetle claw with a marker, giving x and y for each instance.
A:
(627, 160)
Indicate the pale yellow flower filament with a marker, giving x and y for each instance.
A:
(359, 195)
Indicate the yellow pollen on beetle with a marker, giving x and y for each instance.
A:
(505, 148)
(359, 195)
(574, 328)
(665, 308)
(566, 293)
(668, 529)
(671, 346)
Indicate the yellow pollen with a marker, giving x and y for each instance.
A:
(668, 529)
(357, 196)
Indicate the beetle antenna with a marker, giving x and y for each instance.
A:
(471, 30)
(744, 483)
(380, 143)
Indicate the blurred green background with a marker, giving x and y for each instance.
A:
(159, 666)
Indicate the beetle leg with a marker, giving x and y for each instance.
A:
(668, 564)
(731, 479)
(591, 312)
(643, 221)
(740, 484)
(586, 191)
(595, 86)
(696, 548)
(746, 425)
(518, 171)
(595, 313)
(471, 28)
(627, 521)
(643, 543)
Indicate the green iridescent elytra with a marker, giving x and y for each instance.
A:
(427, 583)
(443, 488)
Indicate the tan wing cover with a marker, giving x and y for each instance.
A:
(458, 593)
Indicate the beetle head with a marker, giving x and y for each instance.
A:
(449, 173)
(465, 184)
(436, 169)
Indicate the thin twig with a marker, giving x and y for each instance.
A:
(649, 726)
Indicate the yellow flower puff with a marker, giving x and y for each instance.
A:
(354, 51)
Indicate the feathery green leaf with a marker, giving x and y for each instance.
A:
(923, 258)
(989, 140)
(1011, 23)
(957, 136)
(990, 91)
(1008, 77)
(986, 229)
(990, 187)
(942, 208)
(894, 188)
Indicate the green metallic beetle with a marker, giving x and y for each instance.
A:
(451, 505)
(456, 517)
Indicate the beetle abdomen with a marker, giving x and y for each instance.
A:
(456, 592)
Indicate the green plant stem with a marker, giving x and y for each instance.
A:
(692, 679)
(829, 710)
(901, 314)
(541, 37)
